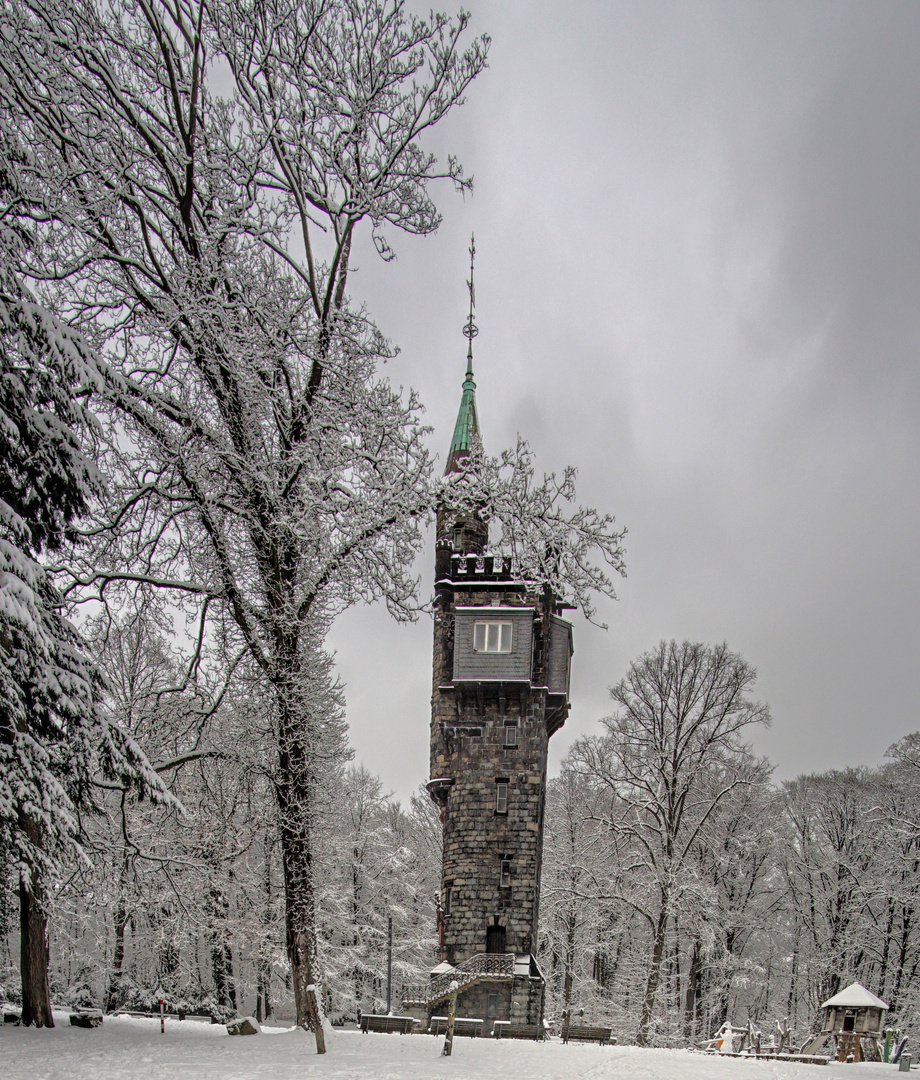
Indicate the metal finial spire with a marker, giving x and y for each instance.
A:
(466, 431)
(470, 330)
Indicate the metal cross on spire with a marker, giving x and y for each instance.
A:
(470, 329)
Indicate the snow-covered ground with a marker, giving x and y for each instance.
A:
(131, 1049)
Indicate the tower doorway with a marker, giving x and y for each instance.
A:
(495, 939)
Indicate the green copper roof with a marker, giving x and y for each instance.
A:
(466, 430)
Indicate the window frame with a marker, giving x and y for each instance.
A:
(504, 874)
(497, 632)
(501, 796)
(511, 728)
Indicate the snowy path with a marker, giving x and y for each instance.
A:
(132, 1049)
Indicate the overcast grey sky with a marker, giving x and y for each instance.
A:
(698, 280)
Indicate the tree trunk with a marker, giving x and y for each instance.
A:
(654, 975)
(569, 962)
(264, 972)
(222, 973)
(296, 811)
(231, 982)
(118, 957)
(691, 999)
(791, 1004)
(33, 942)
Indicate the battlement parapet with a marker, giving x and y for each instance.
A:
(466, 568)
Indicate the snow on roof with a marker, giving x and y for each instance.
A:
(527, 965)
(855, 996)
(522, 965)
(442, 969)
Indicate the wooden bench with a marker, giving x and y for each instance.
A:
(463, 1025)
(584, 1033)
(402, 1024)
(504, 1029)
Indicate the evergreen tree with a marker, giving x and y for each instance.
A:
(52, 732)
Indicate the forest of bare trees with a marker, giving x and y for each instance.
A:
(684, 887)
(777, 894)
(202, 464)
(200, 447)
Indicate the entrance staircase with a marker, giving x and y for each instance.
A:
(481, 966)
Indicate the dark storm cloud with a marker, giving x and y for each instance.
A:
(699, 266)
(850, 260)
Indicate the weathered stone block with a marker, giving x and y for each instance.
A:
(86, 1018)
(247, 1025)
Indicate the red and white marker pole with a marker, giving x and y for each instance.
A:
(162, 1019)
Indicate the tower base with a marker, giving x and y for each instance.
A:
(491, 987)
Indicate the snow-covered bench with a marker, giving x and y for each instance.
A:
(463, 1025)
(504, 1029)
(402, 1024)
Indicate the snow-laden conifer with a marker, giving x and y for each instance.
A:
(53, 733)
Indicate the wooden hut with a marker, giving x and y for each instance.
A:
(851, 1016)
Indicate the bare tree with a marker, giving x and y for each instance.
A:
(257, 464)
(733, 860)
(573, 872)
(682, 711)
(830, 866)
(193, 175)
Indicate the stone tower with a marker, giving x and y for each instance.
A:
(501, 680)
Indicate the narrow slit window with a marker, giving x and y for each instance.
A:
(448, 896)
(511, 734)
(506, 873)
(492, 637)
(501, 796)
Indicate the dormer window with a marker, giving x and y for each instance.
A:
(492, 637)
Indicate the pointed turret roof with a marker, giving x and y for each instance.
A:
(466, 430)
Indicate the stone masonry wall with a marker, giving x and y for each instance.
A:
(467, 747)
(519, 1000)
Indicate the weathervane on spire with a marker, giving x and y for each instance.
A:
(470, 329)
